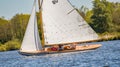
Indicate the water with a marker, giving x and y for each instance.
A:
(106, 56)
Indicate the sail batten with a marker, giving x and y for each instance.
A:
(63, 24)
(31, 41)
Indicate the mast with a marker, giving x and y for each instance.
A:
(41, 27)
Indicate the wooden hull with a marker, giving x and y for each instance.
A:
(78, 48)
(28, 53)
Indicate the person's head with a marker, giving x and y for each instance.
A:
(60, 45)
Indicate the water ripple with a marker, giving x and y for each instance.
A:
(106, 56)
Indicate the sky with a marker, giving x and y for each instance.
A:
(8, 8)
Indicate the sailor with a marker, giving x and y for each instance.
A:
(71, 46)
(55, 48)
(61, 47)
(74, 45)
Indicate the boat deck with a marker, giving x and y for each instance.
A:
(78, 48)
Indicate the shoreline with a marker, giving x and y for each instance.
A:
(4, 48)
(109, 36)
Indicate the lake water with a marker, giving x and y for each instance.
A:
(106, 56)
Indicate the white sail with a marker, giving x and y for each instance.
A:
(31, 41)
(63, 24)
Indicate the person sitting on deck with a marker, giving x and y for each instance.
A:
(61, 47)
(71, 46)
(55, 48)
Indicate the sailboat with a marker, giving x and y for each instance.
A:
(61, 25)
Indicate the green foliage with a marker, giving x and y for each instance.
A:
(3, 21)
(109, 36)
(88, 16)
(10, 45)
(2, 48)
(115, 26)
(4, 30)
(102, 15)
(116, 16)
(18, 25)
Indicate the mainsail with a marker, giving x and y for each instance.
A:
(62, 23)
(31, 41)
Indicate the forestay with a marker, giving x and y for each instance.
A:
(31, 41)
(63, 24)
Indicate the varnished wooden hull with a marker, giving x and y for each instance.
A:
(27, 53)
(78, 48)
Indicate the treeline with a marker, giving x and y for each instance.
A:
(12, 31)
(104, 18)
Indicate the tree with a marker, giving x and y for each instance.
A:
(116, 18)
(5, 34)
(88, 16)
(102, 15)
(18, 25)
